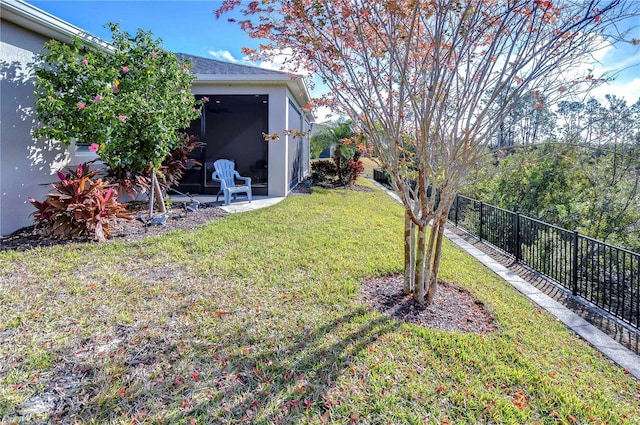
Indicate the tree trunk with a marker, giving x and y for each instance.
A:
(151, 193)
(409, 255)
(438, 231)
(156, 194)
(421, 264)
(425, 278)
(159, 197)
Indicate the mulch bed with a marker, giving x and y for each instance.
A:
(452, 309)
(125, 230)
(178, 218)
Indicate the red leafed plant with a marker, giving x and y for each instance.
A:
(353, 169)
(127, 182)
(82, 206)
(341, 171)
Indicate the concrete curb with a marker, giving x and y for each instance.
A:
(615, 351)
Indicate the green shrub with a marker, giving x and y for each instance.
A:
(128, 182)
(323, 171)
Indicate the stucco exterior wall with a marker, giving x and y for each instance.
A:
(25, 165)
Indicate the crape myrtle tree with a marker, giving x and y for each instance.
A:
(128, 100)
(429, 81)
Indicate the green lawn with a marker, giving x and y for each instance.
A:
(256, 318)
(369, 165)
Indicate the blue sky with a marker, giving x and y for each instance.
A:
(190, 26)
(183, 26)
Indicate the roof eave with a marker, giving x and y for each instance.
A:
(244, 78)
(296, 84)
(37, 20)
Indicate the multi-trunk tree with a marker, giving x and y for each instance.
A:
(429, 82)
(128, 100)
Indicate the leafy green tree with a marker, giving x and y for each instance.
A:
(319, 142)
(128, 100)
(592, 189)
(529, 122)
(348, 147)
(610, 202)
(540, 181)
(332, 134)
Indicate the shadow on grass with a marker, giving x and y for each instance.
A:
(168, 375)
(295, 379)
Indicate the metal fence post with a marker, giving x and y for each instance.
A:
(481, 220)
(516, 237)
(574, 264)
(455, 211)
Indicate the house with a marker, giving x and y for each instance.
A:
(245, 102)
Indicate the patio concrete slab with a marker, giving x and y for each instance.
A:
(240, 205)
(615, 351)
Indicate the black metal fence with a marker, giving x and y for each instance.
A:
(603, 274)
(381, 176)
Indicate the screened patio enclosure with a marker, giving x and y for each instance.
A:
(231, 127)
(245, 102)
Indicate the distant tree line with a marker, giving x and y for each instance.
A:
(577, 167)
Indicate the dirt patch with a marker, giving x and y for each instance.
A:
(452, 309)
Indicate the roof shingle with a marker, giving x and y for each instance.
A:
(217, 67)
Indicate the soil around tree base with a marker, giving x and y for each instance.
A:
(452, 309)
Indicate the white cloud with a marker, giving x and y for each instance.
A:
(275, 64)
(324, 114)
(281, 62)
(622, 65)
(629, 90)
(601, 48)
(628, 62)
(590, 63)
(224, 55)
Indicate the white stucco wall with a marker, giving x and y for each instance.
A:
(25, 165)
(306, 147)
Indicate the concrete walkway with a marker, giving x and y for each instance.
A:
(615, 351)
(236, 206)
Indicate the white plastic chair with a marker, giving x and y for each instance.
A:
(226, 175)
